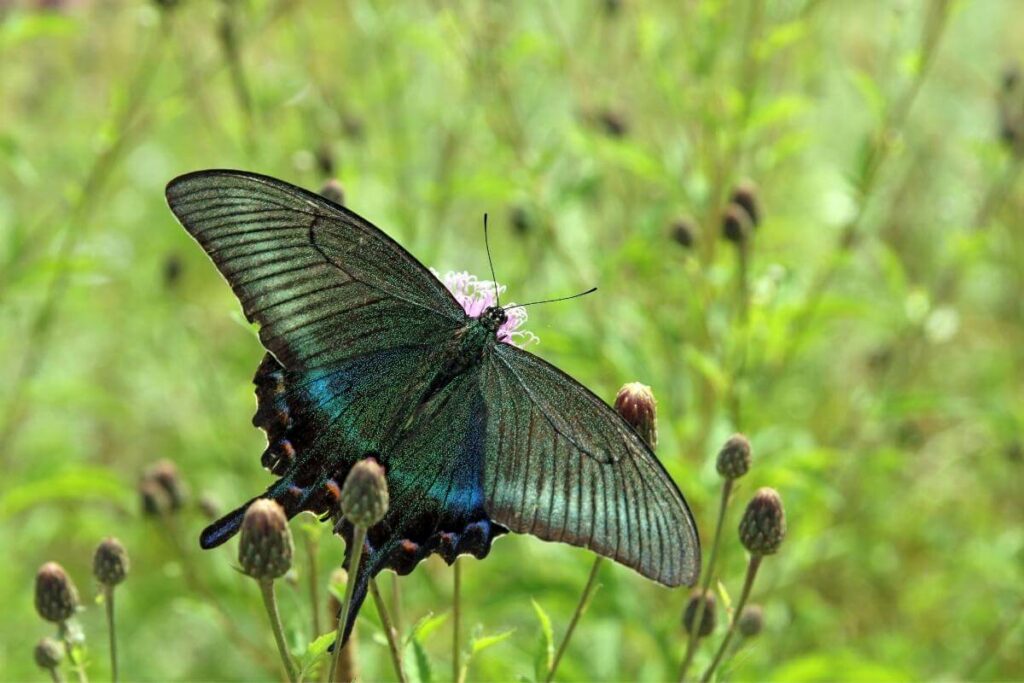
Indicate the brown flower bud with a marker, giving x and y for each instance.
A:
(707, 620)
(154, 498)
(745, 195)
(333, 191)
(164, 474)
(265, 549)
(110, 562)
(751, 621)
(683, 232)
(636, 404)
(48, 653)
(56, 596)
(764, 523)
(734, 458)
(736, 225)
(364, 495)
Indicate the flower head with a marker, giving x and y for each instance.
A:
(110, 562)
(56, 597)
(764, 523)
(265, 551)
(364, 495)
(476, 295)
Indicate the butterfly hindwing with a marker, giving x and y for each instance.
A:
(563, 466)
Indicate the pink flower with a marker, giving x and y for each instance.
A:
(476, 295)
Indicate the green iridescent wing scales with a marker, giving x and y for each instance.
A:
(563, 466)
(324, 285)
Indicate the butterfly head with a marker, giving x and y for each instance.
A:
(493, 318)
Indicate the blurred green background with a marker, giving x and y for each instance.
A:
(879, 371)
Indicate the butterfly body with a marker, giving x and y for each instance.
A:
(368, 355)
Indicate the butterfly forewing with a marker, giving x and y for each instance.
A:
(324, 285)
(562, 465)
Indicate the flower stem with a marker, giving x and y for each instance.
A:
(456, 619)
(312, 548)
(358, 538)
(270, 601)
(755, 562)
(709, 572)
(580, 609)
(108, 600)
(55, 675)
(389, 630)
(65, 635)
(396, 603)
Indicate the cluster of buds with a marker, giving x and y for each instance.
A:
(1011, 110)
(761, 531)
(742, 215)
(161, 489)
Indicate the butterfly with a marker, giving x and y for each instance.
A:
(370, 355)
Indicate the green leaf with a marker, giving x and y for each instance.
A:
(483, 642)
(426, 626)
(84, 484)
(419, 671)
(544, 658)
(314, 651)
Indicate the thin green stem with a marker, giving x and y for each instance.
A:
(312, 549)
(755, 562)
(709, 572)
(580, 609)
(270, 601)
(456, 619)
(76, 666)
(358, 538)
(389, 631)
(108, 600)
(396, 603)
(55, 675)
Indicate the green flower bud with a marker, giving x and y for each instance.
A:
(364, 496)
(636, 404)
(764, 523)
(56, 596)
(110, 562)
(265, 549)
(734, 458)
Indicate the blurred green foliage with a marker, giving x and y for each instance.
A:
(879, 375)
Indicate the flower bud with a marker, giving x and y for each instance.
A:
(325, 159)
(521, 219)
(154, 499)
(764, 523)
(736, 225)
(734, 458)
(333, 191)
(110, 562)
(613, 123)
(48, 654)
(364, 495)
(164, 474)
(707, 620)
(683, 232)
(209, 506)
(751, 621)
(745, 196)
(56, 596)
(635, 403)
(265, 549)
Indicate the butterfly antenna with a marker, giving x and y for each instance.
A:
(551, 301)
(487, 246)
